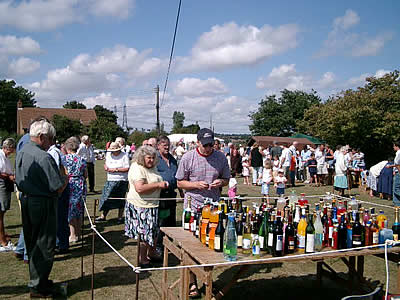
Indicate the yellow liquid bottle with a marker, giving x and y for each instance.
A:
(382, 220)
(205, 215)
(213, 226)
(301, 232)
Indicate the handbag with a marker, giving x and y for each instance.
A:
(9, 185)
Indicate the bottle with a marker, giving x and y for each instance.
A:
(212, 225)
(353, 204)
(310, 235)
(263, 232)
(319, 232)
(335, 237)
(328, 230)
(342, 233)
(374, 231)
(296, 217)
(280, 205)
(277, 244)
(293, 198)
(270, 240)
(356, 232)
(230, 239)
(207, 234)
(198, 220)
(205, 214)
(350, 231)
(192, 222)
(396, 225)
(219, 235)
(324, 217)
(187, 215)
(255, 246)
(303, 201)
(290, 245)
(246, 247)
(239, 230)
(382, 220)
(301, 232)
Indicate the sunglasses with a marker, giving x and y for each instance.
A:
(208, 145)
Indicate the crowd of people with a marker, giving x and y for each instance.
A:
(143, 183)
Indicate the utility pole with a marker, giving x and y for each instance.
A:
(211, 126)
(124, 118)
(157, 90)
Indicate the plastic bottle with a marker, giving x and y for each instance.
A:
(230, 239)
(293, 198)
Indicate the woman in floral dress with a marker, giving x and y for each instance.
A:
(77, 174)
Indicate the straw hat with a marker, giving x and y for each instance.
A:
(114, 146)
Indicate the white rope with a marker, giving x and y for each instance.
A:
(387, 271)
(238, 262)
(93, 227)
(367, 202)
(221, 198)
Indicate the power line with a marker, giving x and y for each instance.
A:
(172, 51)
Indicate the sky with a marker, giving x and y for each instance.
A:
(228, 55)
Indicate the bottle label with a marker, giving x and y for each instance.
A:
(310, 243)
(207, 239)
(301, 240)
(240, 240)
(217, 242)
(261, 239)
(395, 237)
(193, 226)
(330, 232)
(291, 243)
(279, 242)
(204, 223)
(356, 240)
(197, 231)
(212, 228)
(186, 227)
(246, 243)
(375, 238)
(256, 249)
(270, 239)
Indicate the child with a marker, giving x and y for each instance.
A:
(266, 177)
(232, 187)
(275, 167)
(246, 170)
(280, 183)
(312, 169)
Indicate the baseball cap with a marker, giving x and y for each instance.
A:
(205, 136)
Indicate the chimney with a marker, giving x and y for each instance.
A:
(19, 104)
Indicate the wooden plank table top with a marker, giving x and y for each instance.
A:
(203, 255)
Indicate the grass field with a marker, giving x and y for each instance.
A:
(115, 280)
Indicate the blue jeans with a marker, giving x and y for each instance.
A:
(62, 220)
(396, 189)
(20, 248)
(257, 173)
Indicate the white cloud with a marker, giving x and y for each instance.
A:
(380, 73)
(104, 99)
(115, 8)
(23, 66)
(327, 80)
(357, 81)
(197, 87)
(231, 45)
(45, 15)
(342, 41)
(12, 45)
(349, 19)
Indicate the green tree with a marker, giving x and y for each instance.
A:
(66, 127)
(178, 119)
(366, 118)
(278, 116)
(9, 96)
(105, 128)
(74, 105)
(192, 128)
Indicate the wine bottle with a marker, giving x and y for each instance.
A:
(374, 231)
(289, 237)
(301, 232)
(187, 215)
(255, 246)
(262, 233)
(246, 247)
(319, 232)
(356, 232)
(396, 225)
(278, 237)
(219, 235)
(310, 235)
(342, 233)
(239, 231)
(270, 240)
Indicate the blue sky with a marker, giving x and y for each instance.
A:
(228, 54)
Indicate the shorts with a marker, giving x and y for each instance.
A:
(5, 197)
(313, 173)
(280, 191)
(322, 170)
(265, 188)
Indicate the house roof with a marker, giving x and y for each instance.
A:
(27, 114)
(314, 140)
(265, 141)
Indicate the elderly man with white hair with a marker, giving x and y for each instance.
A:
(86, 151)
(41, 182)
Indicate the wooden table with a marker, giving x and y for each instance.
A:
(190, 251)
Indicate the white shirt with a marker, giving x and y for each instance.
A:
(267, 175)
(87, 153)
(55, 153)
(287, 154)
(397, 161)
(119, 161)
(5, 164)
(340, 165)
(319, 157)
(232, 182)
(180, 151)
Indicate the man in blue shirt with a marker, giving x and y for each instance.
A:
(167, 167)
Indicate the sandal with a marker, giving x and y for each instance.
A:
(194, 291)
(100, 219)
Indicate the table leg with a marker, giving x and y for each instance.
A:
(352, 264)
(165, 275)
(319, 273)
(360, 266)
(398, 277)
(208, 282)
(182, 278)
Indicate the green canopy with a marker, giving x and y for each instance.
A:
(312, 139)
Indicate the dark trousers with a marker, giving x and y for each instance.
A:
(90, 168)
(39, 221)
(169, 221)
(62, 220)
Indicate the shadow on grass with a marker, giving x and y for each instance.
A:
(13, 291)
(110, 276)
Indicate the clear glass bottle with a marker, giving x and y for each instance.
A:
(230, 239)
